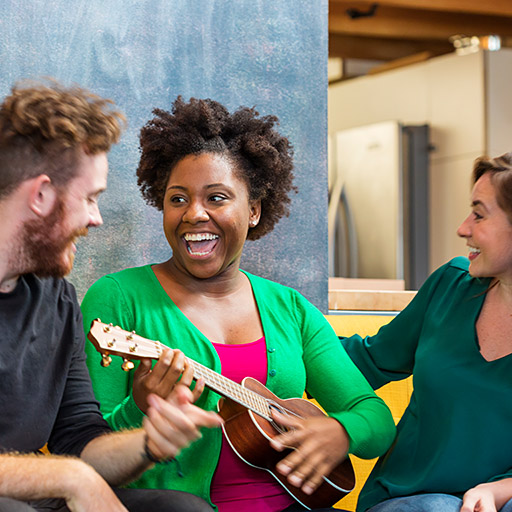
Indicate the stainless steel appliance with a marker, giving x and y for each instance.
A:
(378, 203)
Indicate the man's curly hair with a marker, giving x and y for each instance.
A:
(44, 127)
(261, 156)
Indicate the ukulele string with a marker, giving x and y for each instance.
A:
(236, 392)
(249, 399)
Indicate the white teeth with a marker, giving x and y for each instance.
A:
(473, 250)
(198, 253)
(199, 237)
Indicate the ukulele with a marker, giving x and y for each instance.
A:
(246, 409)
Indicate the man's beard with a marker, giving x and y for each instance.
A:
(44, 244)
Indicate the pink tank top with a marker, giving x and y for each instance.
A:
(236, 486)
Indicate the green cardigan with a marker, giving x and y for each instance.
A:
(456, 431)
(302, 349)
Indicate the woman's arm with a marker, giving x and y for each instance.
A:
(390, 354)
(358, 421)
(112, 387)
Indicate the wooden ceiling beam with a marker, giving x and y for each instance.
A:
(385, 49)
(489, 7)
(397, 23)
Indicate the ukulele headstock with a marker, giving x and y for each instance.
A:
(112, 340)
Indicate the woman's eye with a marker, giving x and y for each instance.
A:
(177, 199)
(216, 198)
(477, 216)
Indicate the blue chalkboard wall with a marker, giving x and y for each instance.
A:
(271, 54)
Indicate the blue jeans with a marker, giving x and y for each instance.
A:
(426, 503)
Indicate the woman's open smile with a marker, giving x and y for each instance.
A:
(207, 214)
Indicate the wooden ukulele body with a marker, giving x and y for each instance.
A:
(249, 435)
(248, 428)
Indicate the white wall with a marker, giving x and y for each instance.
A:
(499, 101)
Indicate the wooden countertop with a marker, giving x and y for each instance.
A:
(369, 300)
(368, 294)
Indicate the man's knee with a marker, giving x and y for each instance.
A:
(175, 501)
(160, 500)
(10, 505)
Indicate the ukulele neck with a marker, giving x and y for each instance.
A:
(232, 390)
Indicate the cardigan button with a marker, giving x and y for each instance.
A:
(271, 349)
(272, 373)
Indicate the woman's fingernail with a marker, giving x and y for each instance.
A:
(276, 445)
(295, 480)
(283, 468)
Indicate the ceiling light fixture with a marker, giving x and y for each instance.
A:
(470, 44)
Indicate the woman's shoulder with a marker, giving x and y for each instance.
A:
(270, 286)
(458, 269)
(459, 263)
(275, 296)
(454, 275)
(127, 274)
(455, 269)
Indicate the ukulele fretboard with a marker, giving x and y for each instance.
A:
(224, 386)
(110, 339)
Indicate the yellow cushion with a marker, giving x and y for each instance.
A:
(395, 394)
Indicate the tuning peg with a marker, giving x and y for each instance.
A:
(127, 365)
(105, 360)
(108, 327)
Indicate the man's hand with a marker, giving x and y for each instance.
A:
(172, 424)
(169, 426)
(320, 443)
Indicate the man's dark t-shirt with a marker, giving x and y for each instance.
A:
(45, 392)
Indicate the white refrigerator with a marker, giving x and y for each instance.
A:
(378, 203)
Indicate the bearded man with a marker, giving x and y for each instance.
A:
(53, 167)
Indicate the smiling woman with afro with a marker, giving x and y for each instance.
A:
(261, 155)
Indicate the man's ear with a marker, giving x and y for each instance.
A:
(42, 195)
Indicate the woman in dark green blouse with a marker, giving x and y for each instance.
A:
(453, 450)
